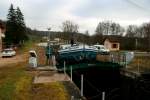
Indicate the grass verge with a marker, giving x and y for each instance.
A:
(16, 84)
(12, 79)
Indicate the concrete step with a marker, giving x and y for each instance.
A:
(46, 68)
(55, 77)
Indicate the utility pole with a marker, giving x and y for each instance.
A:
(49, 44)
(71, 73)
(49, 33)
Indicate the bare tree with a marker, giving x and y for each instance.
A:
(69, 27)
(116, 29)
(109, 28)
(132, 31)
(100, 29)
(142, 31)
(87, 33)
(146, 28)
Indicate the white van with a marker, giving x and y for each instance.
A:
(102, 49)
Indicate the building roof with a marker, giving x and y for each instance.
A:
(113, 38)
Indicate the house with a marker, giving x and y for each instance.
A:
(2, 30)
(112, 44)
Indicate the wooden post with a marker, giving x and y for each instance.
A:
(138, 66)
(126, 59)
(71, 73)
(64, 67)
(82, 85)
(103, 95)
(72, 97)
(125, 62)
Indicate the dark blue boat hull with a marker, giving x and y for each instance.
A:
(76, 57)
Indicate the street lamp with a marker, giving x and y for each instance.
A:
(49, 33)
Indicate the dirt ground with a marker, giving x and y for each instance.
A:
(24, 58)
(41, 55)
(13, 60)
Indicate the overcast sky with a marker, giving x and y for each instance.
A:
(41, 14)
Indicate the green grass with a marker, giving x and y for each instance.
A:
(49, 91)
(11, 78)
(16, 84)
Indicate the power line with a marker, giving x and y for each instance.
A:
(137, 5)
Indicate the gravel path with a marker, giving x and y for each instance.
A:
(13, 60)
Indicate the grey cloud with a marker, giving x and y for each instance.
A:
(40, 14)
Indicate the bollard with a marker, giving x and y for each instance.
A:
(64, 67)
(138, 66)
(103, 95)
(82, 85)
(71, 73)
(72, 97)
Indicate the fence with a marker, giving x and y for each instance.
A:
(122, 58)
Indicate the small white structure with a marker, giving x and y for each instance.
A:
(129, 56)
(112, 44)
(33, 59)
